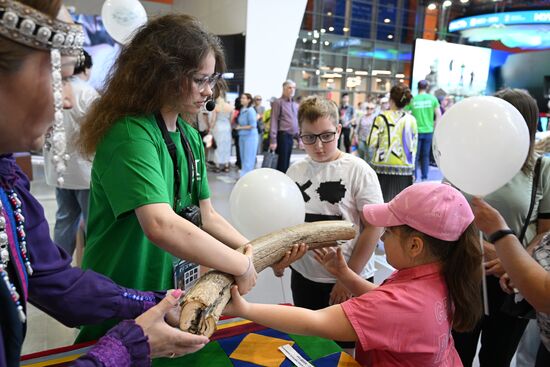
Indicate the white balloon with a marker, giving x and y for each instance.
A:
(480, 144)
(265, 200)
(122, 18)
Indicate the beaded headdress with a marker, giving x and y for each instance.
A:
(30, 27)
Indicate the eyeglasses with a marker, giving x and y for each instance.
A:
(310, 139)
(258, 99)
(207, 80)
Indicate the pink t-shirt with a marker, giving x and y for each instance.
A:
(406, 321)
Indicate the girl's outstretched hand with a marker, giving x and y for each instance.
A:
(333, 260)
(237, 306)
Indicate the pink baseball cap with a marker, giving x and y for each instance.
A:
(436, 209)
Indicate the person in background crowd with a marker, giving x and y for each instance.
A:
(392, 144)
(221, 130)
(284, 125)
(346, 120)
(33, 269)
(234, 132)
(267, 124)
(425, 109)
(260, 110)
(72, 195)
(362, 131)
(248, 134)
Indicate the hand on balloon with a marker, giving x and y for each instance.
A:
(333, 260)
(238, 305)
(339, 294)
(494, 267)
(247, 280)
(165, 340)
(506, 284)
(296, 253)
(487, 218)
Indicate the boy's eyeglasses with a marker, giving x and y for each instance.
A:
(310, 139)
(211, 81)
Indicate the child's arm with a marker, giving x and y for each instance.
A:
(362, 252)
(335, 263)
(330, 322)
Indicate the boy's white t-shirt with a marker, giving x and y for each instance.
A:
(335, 190)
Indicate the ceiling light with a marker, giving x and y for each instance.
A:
(361, 72)
(314, 41)
(338, 70)
(399, 75)
(349, 70)
(317, 72)
(447, 3)
(345, 29)
(323, 30)
(387, 20)
(327, 43)
(329, 13)
(432, 6)
(304, 40)
(390, 36)
(330, 29)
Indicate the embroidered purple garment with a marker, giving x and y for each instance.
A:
(70, 295)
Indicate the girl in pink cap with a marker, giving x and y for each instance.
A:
(431, 240)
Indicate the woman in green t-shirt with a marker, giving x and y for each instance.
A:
(160, 81)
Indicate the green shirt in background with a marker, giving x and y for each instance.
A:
(423, 108)
(133, 168)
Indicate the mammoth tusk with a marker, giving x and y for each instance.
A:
(203, 304)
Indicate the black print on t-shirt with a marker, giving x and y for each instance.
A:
(303, 189)
(331, 191)
(319, 217)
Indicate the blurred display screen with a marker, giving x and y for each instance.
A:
(451, 69)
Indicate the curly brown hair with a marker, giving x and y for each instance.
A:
(154, 70)
(12, 54)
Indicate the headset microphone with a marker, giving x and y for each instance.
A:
(210, 105)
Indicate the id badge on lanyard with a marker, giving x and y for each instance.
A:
(186, 274)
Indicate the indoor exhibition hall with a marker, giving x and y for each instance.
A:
(275, 183)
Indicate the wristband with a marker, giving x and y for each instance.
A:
(494, 237)
(247, 269)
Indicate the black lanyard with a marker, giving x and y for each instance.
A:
(172, 150)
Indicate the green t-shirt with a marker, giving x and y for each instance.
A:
(423, 108)
(133, 168)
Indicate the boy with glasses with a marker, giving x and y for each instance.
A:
(335, 186)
